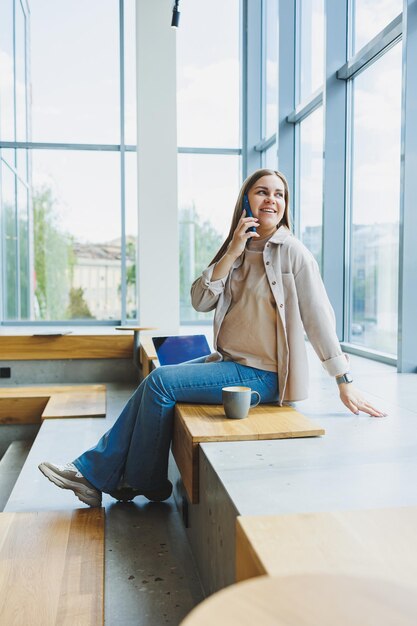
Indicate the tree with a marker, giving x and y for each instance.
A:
(54, 257)
(78, 307)
(199, 242)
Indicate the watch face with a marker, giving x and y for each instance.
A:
(348, 378)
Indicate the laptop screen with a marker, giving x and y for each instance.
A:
(180, 348)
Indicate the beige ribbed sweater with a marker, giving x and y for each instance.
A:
(248, 334)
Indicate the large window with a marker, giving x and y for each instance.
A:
(369, 17)
(310, 47)
(69, 217)
(209, 165)
(376, 203)
(310, 191)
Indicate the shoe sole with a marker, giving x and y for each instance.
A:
(64, 483)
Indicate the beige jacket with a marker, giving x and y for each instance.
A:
(302, 304)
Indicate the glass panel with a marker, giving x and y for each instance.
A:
(208, 188)
(131, 235)
(376, 203)
(6, 71)
(24, 250)
(271, 67)
(75, 88)
(9, 228)
(130, 71)
(208, 62)
(311, 183)
(370, 17)
(21, 127)
(270, 158)
(77, 234)
(311, 46)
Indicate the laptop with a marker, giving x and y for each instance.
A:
(180, 348)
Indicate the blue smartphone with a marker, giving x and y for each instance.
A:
(246, 207)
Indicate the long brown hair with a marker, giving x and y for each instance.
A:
(237, 214)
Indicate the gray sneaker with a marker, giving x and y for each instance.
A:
(69, 477)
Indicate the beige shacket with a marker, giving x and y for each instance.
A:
(248, 334)
(302, 305)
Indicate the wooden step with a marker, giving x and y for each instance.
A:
(379, 543)
(201, 423)
(52, 568)
(30, 405)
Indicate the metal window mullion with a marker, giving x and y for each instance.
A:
(42, 145)
(252, 59)
(306, 108)
(286, 89)
(122, 162)
(200, 150)
(388, 37)
(263, 145)
(334, 173)
(407, 298)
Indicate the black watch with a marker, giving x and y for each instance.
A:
(344, 378)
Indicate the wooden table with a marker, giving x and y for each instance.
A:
(136, 339)
(379, 543)
(198, 423)
(309, 600)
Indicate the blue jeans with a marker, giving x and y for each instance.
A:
(136, 447)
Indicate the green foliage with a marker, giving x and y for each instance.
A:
(77, 307)
(54, 258)
(199, 242)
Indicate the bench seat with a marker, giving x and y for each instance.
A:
(197, 423)
(31, 405)
(377, 543)
(52, 568)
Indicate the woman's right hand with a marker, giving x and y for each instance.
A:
(240, 236)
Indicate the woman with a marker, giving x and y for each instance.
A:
(266, 290)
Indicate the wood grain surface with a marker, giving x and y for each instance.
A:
(28, 347)
(32, 404)
(372, 543)
(52, 568)
(207, 422)
(308, 600)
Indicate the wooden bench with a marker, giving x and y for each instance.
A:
(50, 346)
(147, 355)
(201, 423)
(31, 405)
(197, 423)
(52, 568)
(379, 543)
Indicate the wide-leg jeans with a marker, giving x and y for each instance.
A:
(135, 450)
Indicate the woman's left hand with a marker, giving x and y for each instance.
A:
(355, 403)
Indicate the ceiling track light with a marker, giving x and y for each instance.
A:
(175, 15)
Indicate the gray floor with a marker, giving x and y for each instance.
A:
(150, 575)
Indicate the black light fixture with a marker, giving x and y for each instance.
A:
(175, 15)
